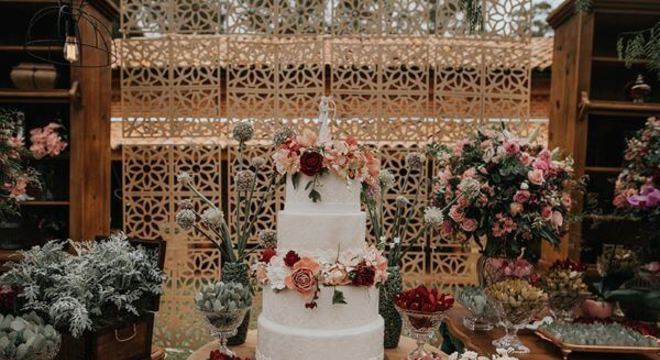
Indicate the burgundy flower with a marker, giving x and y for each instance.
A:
(311, 163)
(217, 355)
(291, 258)
(363, 275)
(267, 254)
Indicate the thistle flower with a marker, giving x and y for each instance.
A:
(244, 179)
(415, 160)
(470, 187)
(402, 201)
(243, 131)
(282, 135)
(386, 179)
(185, 204)
(433, 216)
(213, 217)
(267, 238)
(258, 162)
(184, 178)
(186, 218)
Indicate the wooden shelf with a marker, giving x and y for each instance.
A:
(45, 203)
(31, 48)
(616, 60)
(602, 170)
(42, 96)
(622, 108)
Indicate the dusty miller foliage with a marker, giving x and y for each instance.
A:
(107, 282)
(641, 45)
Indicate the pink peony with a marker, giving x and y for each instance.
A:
(308, 138)
(521, 196)
(536, 177)
(456, 214)
(469, 225)
(546, 213)
(540, 165)
(511, 147)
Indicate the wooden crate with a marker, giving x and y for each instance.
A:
(124, 342)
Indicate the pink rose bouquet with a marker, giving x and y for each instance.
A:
(503, 188)
(47, 141)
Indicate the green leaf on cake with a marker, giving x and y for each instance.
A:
(295, 179)
(338, 297)
(315, 195)
(309, 185)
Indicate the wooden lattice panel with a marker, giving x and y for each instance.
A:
(401, 72)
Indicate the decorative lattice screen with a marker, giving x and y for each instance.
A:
(402, 72)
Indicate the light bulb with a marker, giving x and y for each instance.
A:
(71, 51)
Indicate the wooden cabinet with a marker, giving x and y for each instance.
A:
(591, 115)
(79, 180)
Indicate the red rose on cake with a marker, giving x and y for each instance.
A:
(311, 163)
(303, 279)
(363, 275)
(291, 258)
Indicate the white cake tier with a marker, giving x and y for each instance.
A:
(311, 231)
(278, 342)
(287, 308)
(337, 195)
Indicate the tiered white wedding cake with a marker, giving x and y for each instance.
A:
(329, 229)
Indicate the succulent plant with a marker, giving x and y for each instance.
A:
(517, 298)
(223, 297)
(612, 334)
(27, 338)
(474, 298)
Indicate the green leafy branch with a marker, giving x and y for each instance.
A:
(641, 45)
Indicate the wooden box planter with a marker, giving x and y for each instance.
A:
(123, 342)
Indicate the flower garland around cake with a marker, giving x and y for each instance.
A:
(288, 270)
(306, 154)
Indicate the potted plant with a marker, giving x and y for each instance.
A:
(505, 190)
(212, 224)
(395, 239)
(99, 298)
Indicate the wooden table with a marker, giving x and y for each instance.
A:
(406, 345)
(481, 342)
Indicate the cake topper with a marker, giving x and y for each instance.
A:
(325, 107)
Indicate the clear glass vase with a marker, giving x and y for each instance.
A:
(563, 304)
(224, 324)
(420, 326)
(513, 318)
(482, 314)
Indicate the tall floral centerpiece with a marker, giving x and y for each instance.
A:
(637, 188)
(503, 189)
(395, 239)
(211, 221)
(16, 176)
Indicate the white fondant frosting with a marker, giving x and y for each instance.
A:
(337, 194)
(320, 231)
(287, 308)
(287, 330)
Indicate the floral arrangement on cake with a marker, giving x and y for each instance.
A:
(306, 154)
(505, 188)
(15, 175)
(27, 337)
(211, 222)
(305, 274)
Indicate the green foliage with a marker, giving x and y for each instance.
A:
(223, 296)
(338, 297)
(27, 337)
(540, 11)
(641, 45)
(107, 282)
(583, 6)
(473, 14)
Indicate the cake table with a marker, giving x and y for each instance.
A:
(406, 345)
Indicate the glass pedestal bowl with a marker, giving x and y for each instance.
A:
(420, 326)
(482, 314)
(224, 324)
(514, 318)
(563, 304)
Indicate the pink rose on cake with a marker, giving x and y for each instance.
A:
(303, 277)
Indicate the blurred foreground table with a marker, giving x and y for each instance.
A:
(406, 345)
(481, 342)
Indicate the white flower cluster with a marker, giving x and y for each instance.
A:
(433, 216)
(502, 354)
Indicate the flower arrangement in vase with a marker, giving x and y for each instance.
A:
(395, 240)
(212, 224)
(504, 189)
